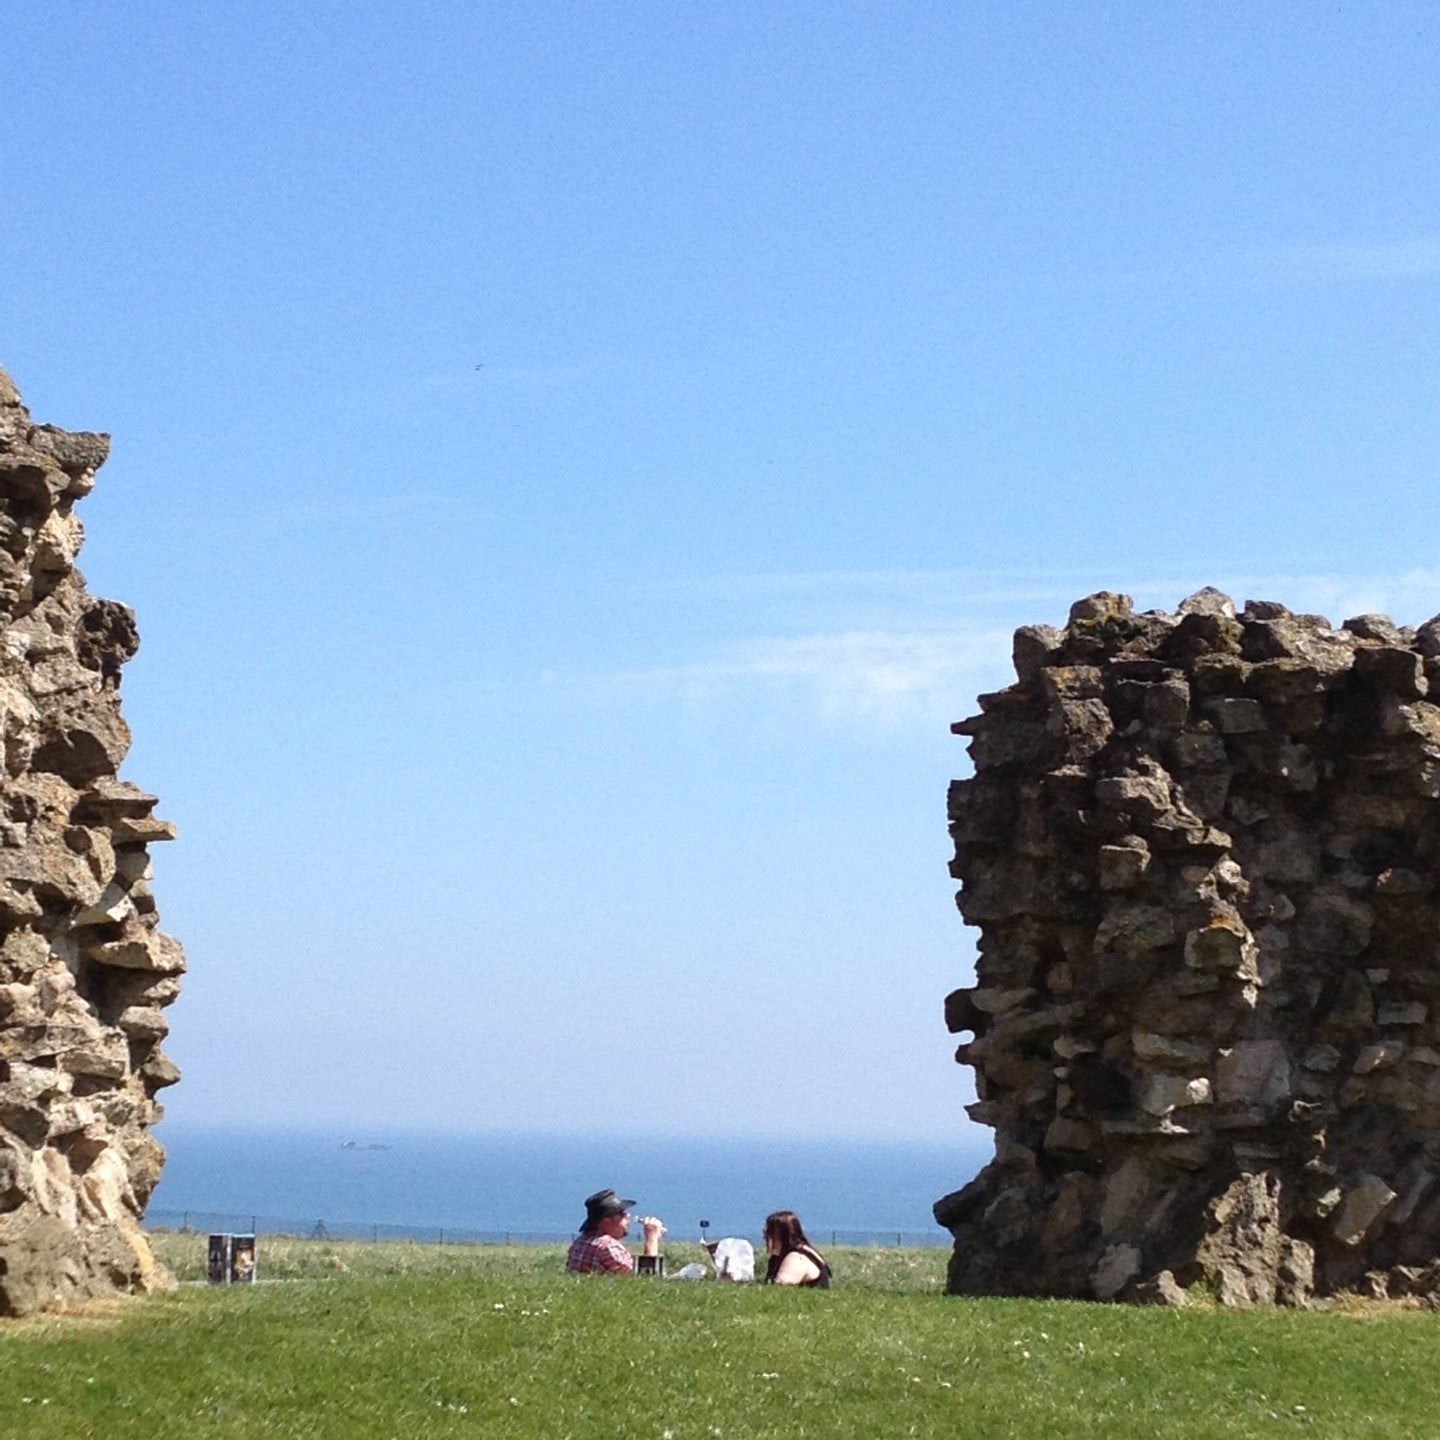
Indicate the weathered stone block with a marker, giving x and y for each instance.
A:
(1133, 929)
(1364, 1203)
(1159, 1094)
(1253, 1073)
(1118, 1266)
(1237, 716)
(1123, 866)
(1378, 1056)
(1169, 1051)
(1224, 946)
(1070, 1137)
(1225, 1069)
(1403, 1012)
(1162, 1289)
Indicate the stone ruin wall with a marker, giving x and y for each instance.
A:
(1201, 852)
(85, 974)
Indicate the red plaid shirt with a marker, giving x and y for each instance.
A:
(599, 1254)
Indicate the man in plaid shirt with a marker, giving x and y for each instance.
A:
(597, 1249)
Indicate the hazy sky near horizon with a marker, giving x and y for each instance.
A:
(572, 462)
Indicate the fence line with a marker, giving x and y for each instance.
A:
(210, 1221)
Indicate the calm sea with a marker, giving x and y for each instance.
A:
(534, 1185)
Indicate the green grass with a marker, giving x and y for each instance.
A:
(875, 1268)
(409, 1340)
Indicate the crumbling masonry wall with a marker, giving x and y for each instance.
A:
(84, 972)
(1201, 851)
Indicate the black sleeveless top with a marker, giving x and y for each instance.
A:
(820, 1282)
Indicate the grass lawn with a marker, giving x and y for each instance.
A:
(397, 1340)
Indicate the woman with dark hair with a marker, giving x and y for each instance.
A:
(793, 1259)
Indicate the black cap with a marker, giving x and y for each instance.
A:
(605, 1202)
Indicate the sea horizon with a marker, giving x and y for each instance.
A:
(528, 1183)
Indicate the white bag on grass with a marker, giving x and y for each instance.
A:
(735, 1261)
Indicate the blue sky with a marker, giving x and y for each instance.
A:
(572, 463)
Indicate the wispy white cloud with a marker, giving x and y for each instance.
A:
(946, 635)
(865, 677)
(1386, 260)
